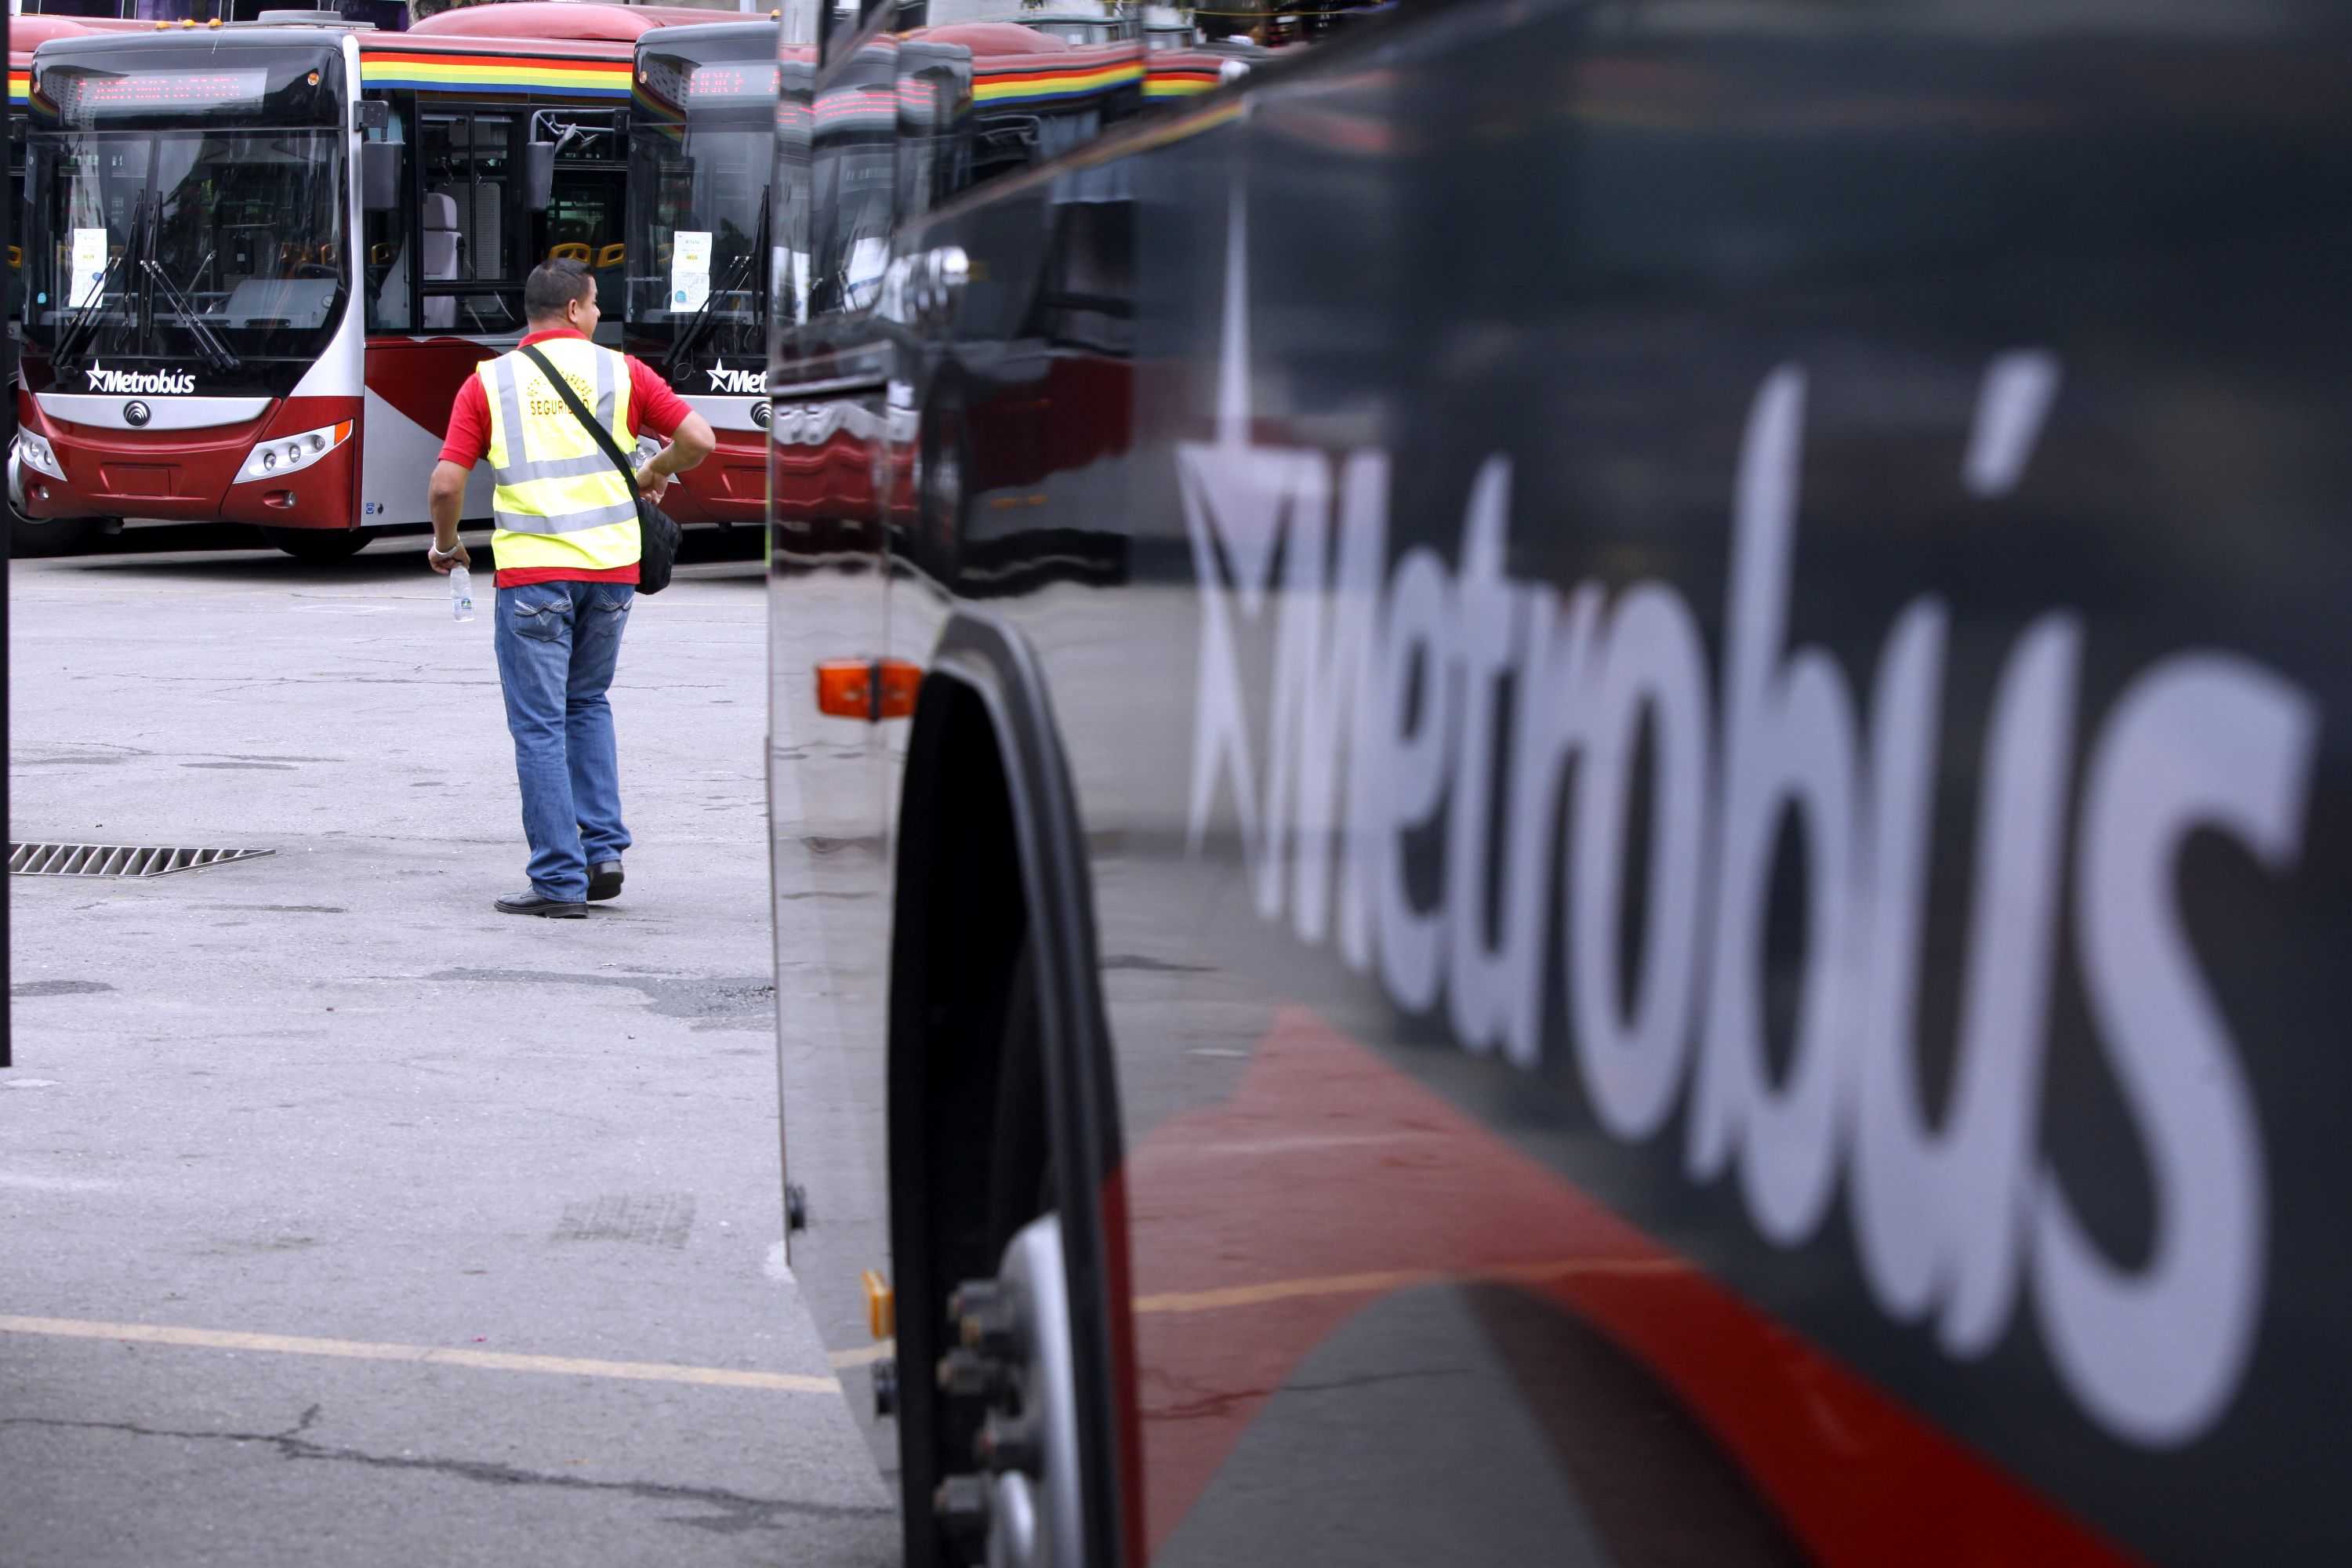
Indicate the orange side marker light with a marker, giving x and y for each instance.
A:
(872, 689)
(881, 1305)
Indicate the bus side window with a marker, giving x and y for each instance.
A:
(793, 242)
(989, 87)
(854, 146)
(388, 239)
(934, 113)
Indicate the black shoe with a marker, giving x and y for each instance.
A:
(604, 881)
(531, 903)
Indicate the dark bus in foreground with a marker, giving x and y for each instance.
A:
(1569, 783)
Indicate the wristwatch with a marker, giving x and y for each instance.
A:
(433, 548)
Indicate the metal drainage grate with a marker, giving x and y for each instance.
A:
(116, 860)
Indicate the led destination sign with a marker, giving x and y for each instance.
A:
(670, 81)
(82, 99)
(748, 78)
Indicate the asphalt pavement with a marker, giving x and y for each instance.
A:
(343, 1220)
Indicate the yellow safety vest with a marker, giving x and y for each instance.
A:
(560, 502)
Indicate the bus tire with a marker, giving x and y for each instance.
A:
(320, 543)
(1002, 1133)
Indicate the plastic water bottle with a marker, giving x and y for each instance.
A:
(461, 593)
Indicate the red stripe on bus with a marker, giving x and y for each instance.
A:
(1256, 1227)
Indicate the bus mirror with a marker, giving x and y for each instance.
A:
(379, 176)
(538, 176)
(371, 114)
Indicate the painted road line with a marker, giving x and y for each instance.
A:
(1389, 1280)
(430, 1356)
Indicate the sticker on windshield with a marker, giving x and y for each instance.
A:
(689, 269)
(89, 268)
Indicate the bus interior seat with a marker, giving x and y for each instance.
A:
(437, 249)
(485, 251)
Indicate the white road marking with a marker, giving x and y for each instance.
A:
(436, 1356)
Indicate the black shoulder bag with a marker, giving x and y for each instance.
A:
(657, 531)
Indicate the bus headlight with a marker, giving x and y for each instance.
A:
(283, 455)
(35, 453)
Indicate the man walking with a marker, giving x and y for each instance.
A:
(566, 552)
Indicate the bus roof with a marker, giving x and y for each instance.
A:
(988, 39)
(748, 29)
(559, 21)
(27, 34)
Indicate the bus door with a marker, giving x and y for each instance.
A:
(446, 263)
(484, 223)
(587, 204)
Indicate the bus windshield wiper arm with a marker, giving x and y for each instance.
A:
(217, 355)
(737, 275)
(85, 322)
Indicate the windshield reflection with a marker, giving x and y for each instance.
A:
(213, 245)
(699, 212)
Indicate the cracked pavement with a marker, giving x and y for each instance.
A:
(331, 1093)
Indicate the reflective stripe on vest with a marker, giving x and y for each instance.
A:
(558, 501)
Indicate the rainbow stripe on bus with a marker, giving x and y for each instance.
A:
(475, 75)
(1032, 85)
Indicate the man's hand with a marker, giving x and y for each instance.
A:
(689, 443)
(441, 560)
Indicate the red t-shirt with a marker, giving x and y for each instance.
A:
(652, 406)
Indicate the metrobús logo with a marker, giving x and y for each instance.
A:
(1394, 688)
(142, 382)
(751, 382)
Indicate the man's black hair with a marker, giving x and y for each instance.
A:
(553, 285)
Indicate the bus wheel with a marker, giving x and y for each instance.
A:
(31, 537)
(1013, 1337)
(1012, 1367)
(320, 543)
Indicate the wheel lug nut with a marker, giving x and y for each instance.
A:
(960, 1505)
(964, 1375)
(987, 1319)
(1006, 1443)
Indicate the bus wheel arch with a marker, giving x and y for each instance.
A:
(994, 1003)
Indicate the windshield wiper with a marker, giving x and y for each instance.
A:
(70, 342)
(216, 353)
(682, 347)
(85, 322)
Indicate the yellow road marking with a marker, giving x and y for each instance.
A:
(432, 1356)
(1386, 1280)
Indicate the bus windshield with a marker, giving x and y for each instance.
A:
(186, 208)
(701, 150)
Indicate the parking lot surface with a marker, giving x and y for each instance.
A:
(347, 1220)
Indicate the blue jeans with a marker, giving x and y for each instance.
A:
(558, 643)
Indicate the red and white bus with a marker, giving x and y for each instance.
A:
(260, 258)
(27, 32)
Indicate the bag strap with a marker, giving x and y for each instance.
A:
(579, 411)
